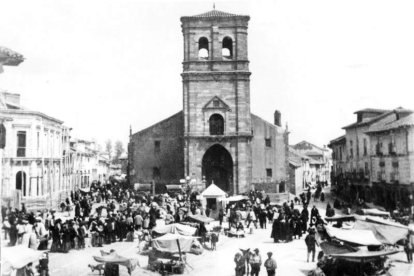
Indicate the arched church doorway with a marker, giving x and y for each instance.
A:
(217, 166)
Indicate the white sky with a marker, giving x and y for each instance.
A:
(104, 65)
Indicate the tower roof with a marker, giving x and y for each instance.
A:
(213, 14)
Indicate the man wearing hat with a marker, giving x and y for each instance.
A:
(270, 265)
(255, 263)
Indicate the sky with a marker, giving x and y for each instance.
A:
(103, 66)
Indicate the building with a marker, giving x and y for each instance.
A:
(88, 164)
(299, 171)
(7, 58)
(215, 137)
(320, 162)
(33, 163)
(374, 160)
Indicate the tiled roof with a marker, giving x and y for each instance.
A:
(377, 118)
(337, 140)
(374, 110)
(10, 57)
(213, 14)
(403, 122)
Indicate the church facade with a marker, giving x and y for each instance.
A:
(215, 138)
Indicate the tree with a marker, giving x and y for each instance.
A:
(108, 147)
(119, 149)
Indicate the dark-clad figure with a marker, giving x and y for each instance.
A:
(240, 264)
(310, 241)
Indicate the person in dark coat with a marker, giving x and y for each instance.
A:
(322, 197)
(314, 215)
(276, 230)
(262, 218)
(310, 241)
(77, 210)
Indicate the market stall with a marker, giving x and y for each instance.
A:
(211, 198)
(163, 256)
(112, 261)
(17, 258)
(175, 228)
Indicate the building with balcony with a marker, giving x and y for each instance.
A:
(373, 160)
(34, 158)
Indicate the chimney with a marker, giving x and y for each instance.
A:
(278, 118)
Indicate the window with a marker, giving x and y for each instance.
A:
(365, 147)
(268, 142)
(269, 172)
(357, 148)
(366, 168)
(21, 143)
(351, 151)
(38, 142)
(391, 148)
(227, 50)
(157, 147)
(203, 48)
(378, 149)
(216, 122)
(395, 174)
(156, 173)
(340, 153)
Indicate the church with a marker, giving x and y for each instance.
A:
(214, 138)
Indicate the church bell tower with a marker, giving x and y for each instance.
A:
(216, 101)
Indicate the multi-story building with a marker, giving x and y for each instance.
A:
(299, 171)
(215, 137)
(392, 160)
(87, 163)
(7, 58)
(33, 167)
(373, 159)
(320, 162)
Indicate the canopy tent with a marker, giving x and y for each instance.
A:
(385, 221)
(213, 191)
(173, 243)
(200, 218)
(360, 237)
(387, 234)
(234, 198)
(176, 228)
(363, 256)
(143, 187)
(19, 256)
(330, 248)
(85, 190)
(174, 187)
(340, 218)
(115, 259)
(375, 212)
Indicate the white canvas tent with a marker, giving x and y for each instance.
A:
(212, 196)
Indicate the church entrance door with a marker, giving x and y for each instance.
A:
(217, 166)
